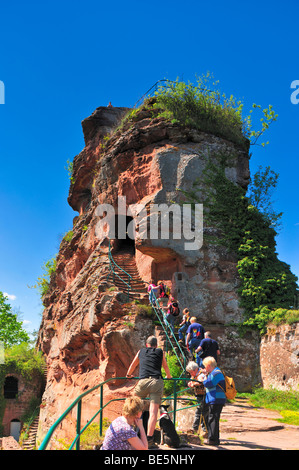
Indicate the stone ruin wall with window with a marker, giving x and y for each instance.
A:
(89, 332)
(279, 357)
(18, 393)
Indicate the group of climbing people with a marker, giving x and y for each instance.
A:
(206, 380)
(191, 333)
(129, 431)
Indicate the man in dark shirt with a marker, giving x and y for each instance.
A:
(150, 360)
(207, 347)
(195, 334)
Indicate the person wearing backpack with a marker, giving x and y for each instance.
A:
(195, 334)
(162, 290)
(173, 311)
(214, 384)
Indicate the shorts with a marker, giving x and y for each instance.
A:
(152, 388)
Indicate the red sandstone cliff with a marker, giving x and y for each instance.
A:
(90, 332)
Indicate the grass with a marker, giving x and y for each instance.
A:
(285, 402)
(91, 436)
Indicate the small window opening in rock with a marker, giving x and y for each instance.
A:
(284, 378)
(180, 276)
(10, 387)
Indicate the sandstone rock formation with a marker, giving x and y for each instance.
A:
(89, 331)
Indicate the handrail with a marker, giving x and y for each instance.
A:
(183, 366)
(154, 86)
(78, 401)
(111, 263)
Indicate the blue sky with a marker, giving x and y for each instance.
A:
(61, 60)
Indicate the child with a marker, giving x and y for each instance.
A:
(184, 325)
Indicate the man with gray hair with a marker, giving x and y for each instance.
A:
(201, 412)
(150, 360)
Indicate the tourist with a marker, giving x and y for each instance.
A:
(184, 325)
(200, 417)
(214, 384)
(121, 434)
(173, 311)
(163, 290)
(207, 347)
(153, 292)
(150, 360)
(195, 333)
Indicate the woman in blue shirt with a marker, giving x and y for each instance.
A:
(215, 398)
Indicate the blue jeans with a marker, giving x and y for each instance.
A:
(170, 319)
(193, 344)
(151, 295)
(199, 361)
(182, 330)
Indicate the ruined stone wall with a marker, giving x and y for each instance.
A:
(280, 357)
(16, 407)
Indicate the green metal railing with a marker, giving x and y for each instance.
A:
(165, 325)
(78, 402)
(170, 338)
(112, 265)
(152, 91)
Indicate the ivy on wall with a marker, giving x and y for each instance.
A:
(267, 285)
(20, 359)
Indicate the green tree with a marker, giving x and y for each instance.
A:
(11, 330)
(266, 283)
(260, 192)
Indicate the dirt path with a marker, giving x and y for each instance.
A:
(244, 427)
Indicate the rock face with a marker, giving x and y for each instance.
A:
(280, 357)
(89, 331)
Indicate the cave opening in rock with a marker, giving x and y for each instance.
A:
(124, 233)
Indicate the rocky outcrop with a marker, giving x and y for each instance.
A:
(89, 331)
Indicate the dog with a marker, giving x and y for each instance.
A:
(169, 436)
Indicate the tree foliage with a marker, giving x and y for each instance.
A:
(260, 193)
(266, 283)
(11, 330)
(208, 109)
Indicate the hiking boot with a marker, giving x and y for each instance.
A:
(208, 442)
(191, 431)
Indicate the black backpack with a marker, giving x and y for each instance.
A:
(174, 309)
